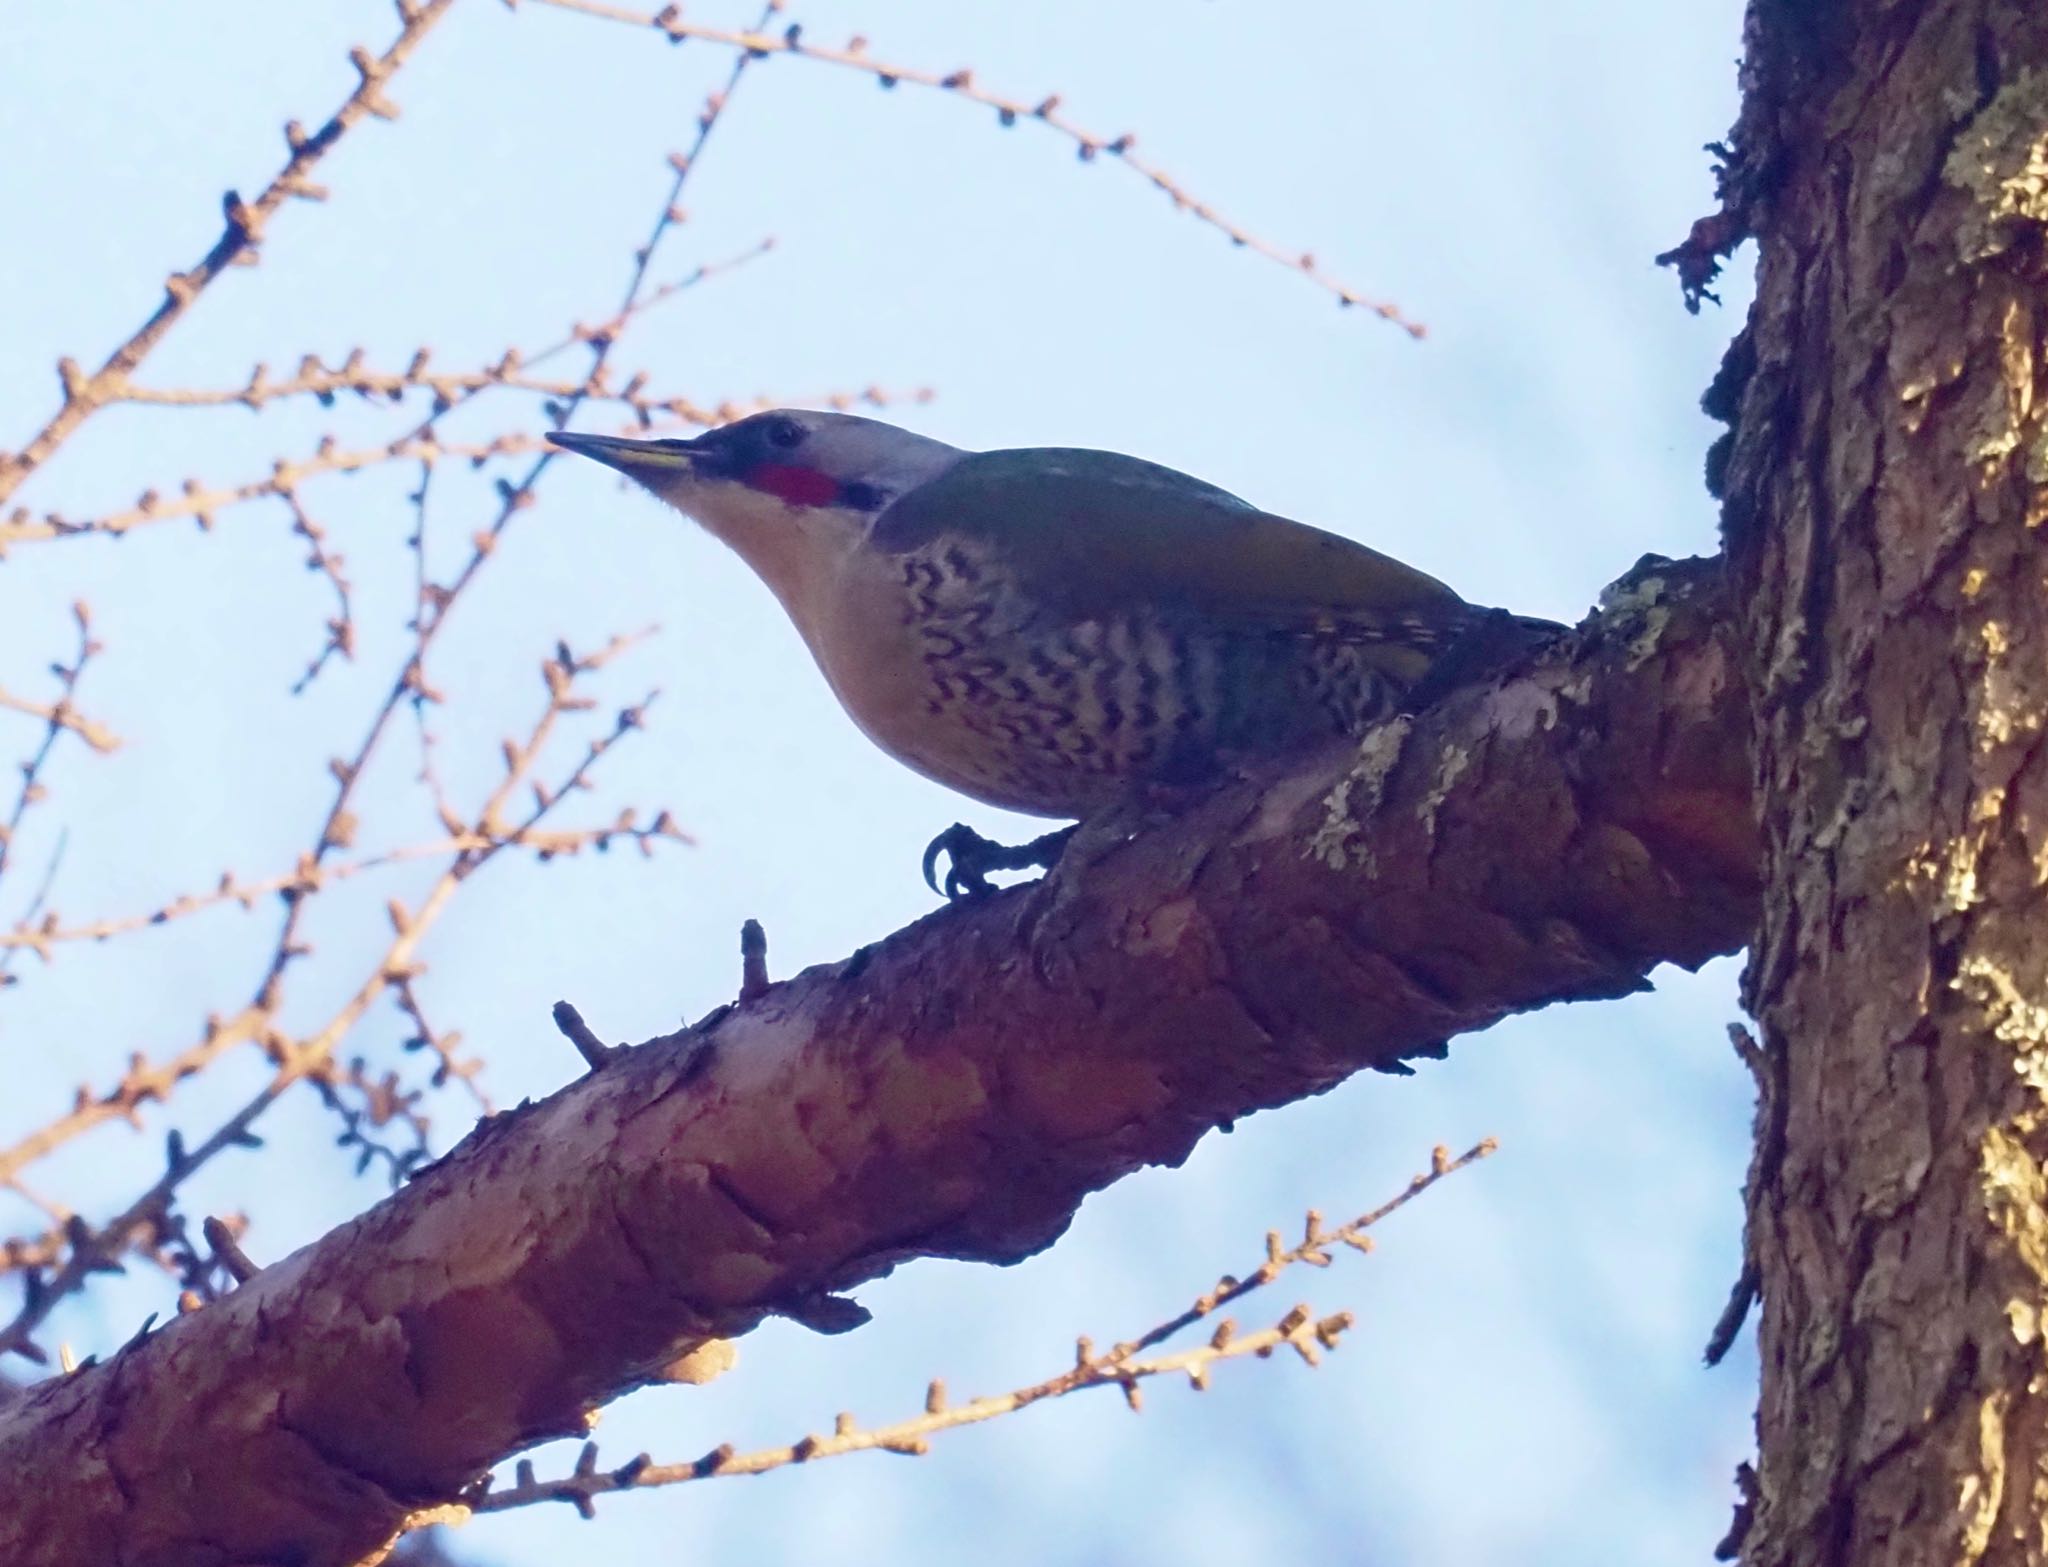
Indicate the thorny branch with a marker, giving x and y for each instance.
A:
(1124, 1366)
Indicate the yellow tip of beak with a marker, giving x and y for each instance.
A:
(629, 457)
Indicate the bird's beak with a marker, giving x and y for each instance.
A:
(635, 459)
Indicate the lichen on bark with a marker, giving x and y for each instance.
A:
(1882, 513)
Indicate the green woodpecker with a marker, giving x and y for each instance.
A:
(1051, 630)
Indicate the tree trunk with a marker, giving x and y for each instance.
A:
(1883, 488)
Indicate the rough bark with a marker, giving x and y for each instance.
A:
(1884, 495)
(954, 1091)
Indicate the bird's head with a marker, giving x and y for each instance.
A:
(792, 491)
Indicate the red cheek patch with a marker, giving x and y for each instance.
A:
(792, 485)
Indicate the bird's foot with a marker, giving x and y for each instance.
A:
(970, 857)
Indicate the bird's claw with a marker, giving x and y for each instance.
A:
(959, 844)
(970, 857)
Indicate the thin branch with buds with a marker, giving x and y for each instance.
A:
(464, 851)
(241, 236)
(1124, 1367)
(582, 334)
(44, 935)
(203, 503)
(59, 718)
(385, 1109)
(494, 828)
(1088, 145)
(60, 714)
(356, 377)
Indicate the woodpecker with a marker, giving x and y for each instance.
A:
(1050, 629)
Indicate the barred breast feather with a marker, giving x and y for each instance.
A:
(1066, 624)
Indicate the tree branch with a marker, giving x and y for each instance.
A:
(952, 1091)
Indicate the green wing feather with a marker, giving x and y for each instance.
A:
(1095, 532)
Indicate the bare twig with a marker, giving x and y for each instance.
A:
(355, 377)
(145, 1082)
(1306, 1336)
(511, 371)
(40, 936)
(310, 1057)
(241, 235)
(1123, 1367)
(444, 1046)
(228, 1251)
(753, 960)
(341, 625)
(595, 1051)
(433, 601)
(368, 1102)
(1046, 111)
(203, 502)
(61, 715)
(59, 718)
(33, 914)
(1313, 1248)
(680, 164)
(611, 328)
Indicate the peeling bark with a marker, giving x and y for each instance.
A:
(1885, 487)
(954, 1091)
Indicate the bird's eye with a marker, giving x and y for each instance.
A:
(785, 433)
(863, 497)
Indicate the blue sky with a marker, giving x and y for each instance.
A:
(1525, 1381)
